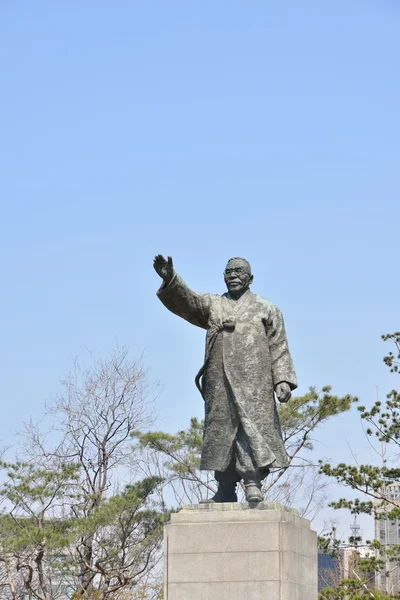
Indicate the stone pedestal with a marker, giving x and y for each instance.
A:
(239, 552)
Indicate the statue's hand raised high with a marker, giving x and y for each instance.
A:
(163, 267)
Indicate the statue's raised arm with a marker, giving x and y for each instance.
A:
(178, 297)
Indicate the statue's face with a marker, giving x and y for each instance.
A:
(237, 276)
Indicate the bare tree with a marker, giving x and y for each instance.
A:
(110, 531)
(99, 409)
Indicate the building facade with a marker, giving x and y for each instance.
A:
(387, 532)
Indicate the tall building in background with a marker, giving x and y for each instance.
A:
(328, 570)
(387, 532)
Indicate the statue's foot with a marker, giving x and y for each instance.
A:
(226, 493)
(253, 491)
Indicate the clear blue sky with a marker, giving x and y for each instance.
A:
(202, 130)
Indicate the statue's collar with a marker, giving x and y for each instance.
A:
(236, 304)
(246, 293)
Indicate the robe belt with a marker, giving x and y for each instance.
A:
(213, 331)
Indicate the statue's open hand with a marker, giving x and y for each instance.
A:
(164, 268)
(283, 391)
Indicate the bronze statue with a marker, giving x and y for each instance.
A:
(247, 359)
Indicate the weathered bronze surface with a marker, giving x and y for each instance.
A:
(247, 359)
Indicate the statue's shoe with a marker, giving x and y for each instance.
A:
(225, 493)
(253, 492)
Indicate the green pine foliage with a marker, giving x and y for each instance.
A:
(382, 424)
(352, 589)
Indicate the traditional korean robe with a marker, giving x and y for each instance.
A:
(246, 356)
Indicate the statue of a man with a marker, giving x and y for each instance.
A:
(247, 359)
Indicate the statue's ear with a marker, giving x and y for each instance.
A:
(251, 278)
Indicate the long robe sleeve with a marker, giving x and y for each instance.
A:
(184, 302)
(281, 360)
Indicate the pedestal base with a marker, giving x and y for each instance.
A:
(239, 552)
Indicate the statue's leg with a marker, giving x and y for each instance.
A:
(227, 481)
(247, 468)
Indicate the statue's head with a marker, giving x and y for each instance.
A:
(237, 276)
